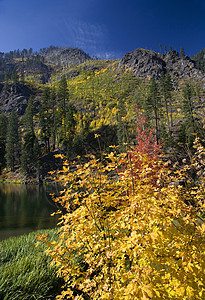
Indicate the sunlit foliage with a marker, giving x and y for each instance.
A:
(127, 236)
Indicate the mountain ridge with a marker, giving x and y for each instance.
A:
(48, 66)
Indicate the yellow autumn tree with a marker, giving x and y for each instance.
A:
(127, 236)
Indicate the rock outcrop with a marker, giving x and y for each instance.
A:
(15, 97)
(149, 64)
(64, 57)
(144, 63)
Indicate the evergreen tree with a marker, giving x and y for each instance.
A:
(14, 77)
(45, 118)
(152, 106)
(12, 141)
(67, 130)
(189, 126)
(166, 89)
(188, 104)
(63, 108)
(160, 47)
(182, 53)
(29, 158)
(3, 130)
(62, 93)
(2, 154)
(30, 51)
(28, 116)
(3, 126)
(53, 105)
(30, 150)
(121, 136)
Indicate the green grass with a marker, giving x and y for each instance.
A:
(25, 270)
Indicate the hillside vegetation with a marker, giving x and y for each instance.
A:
(62, 98)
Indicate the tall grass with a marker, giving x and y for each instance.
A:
(25, 270)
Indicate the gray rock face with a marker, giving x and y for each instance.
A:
(64, 57)
(148, 64)
(15, 97)
(144, 63)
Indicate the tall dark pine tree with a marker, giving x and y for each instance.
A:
(182, 53)
(3, 126)
(121, 136)
(189, 125)
(188, 103)
(29, 158)
(160, 47)
(166, 89)
(14, 77)
(64, 112)
(152, 106)
(12, 141)
(53, 105)
(62, 94)
(3, 130)
(28, 116)
(67, 131)
(45, 118)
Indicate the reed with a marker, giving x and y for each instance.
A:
(26, 272)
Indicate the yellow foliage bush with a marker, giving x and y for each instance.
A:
(128, 239)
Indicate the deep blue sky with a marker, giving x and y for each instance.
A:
(103, 28)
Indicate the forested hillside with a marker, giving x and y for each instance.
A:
(57, 100)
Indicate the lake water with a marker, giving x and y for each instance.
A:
(26, 208)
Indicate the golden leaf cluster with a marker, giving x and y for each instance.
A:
(125, 238)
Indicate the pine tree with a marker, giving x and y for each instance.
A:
(62, 97)
(14, 77)
(166, 89)
(188, 106)
(160, 47)
(152, 106)
(182, 53)
(67, 130)
(45, 118)
(121, 135)
(30, 151)
(3, 131)
(29, 158)
(28, 117)
(53, 116)
(12, 141)
(62, 93)
(2, 154)
(3, 126)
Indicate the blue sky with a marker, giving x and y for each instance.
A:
(103, 28)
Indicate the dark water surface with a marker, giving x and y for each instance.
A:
(26, 208)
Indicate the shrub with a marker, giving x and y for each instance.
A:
(126, 236)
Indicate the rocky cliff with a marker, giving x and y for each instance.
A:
(149, 64)
(64, 56)
(15, 96)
